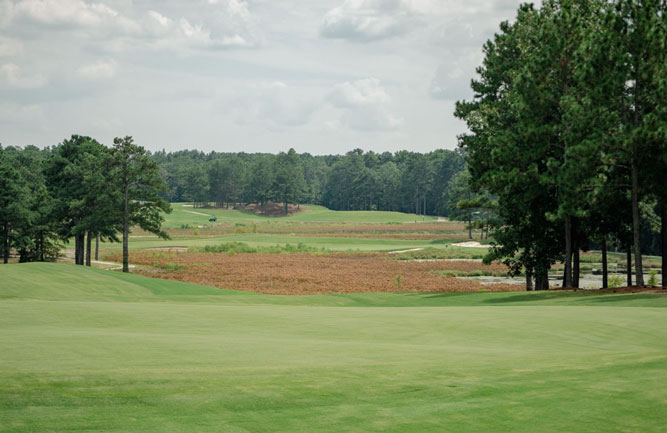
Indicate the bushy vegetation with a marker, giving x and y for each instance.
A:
(241, 247)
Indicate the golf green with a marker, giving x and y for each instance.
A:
(91, 350)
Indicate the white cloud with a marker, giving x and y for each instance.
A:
(10, 47)
(367, 20)
(364, 105)
(200, 36)
(76, 12)
(100, 70)
(274, 104)
(15, 78)
(161, 20)
(370, 119)
(367, 91)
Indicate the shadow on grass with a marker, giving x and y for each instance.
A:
(619, 297)
(529, 297)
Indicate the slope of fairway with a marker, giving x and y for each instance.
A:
(182, 214)
(90, 350)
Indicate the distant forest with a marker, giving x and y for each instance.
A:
(430, 184)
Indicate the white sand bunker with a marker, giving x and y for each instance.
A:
(470, 244)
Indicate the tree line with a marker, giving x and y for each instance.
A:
(568, 129)
(403, 181)
(80, 190)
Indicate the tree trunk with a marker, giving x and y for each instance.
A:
(636, 222)
(77, 252)
(567, 277)
(79, 249)
(529, 281)
(126, 231)
(605, 280)
(469, 226)
(5, 243)
(576, 268)
(286, 207)
(97, 247)
(628, 267)
(89, 241)
(663, 233)
(541, 279)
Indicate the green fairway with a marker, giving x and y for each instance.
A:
(320, 242)
(91, 350)
(183, 213)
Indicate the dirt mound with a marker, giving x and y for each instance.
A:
(270, 209)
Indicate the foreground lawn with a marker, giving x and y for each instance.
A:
(89, 350)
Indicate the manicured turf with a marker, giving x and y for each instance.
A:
(184, 214)
(91, 350)
(263, 239)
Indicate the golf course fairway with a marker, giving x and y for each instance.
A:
(89, 351)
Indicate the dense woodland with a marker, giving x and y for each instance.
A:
(403, 181)
(568, 129)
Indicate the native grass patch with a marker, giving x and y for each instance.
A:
(289, 270)
(241, 247)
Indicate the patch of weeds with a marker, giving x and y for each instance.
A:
(168, 267)
(229, 248)
(241, 247)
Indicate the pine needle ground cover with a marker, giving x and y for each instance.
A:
(313, 273)
(91, 350)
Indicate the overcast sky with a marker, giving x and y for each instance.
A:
(322, 76)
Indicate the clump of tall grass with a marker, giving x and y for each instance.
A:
(243, 248)
(168, 267)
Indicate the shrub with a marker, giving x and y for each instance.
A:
(615, 281)
(652, 278)
(168, 267)
(241, 247)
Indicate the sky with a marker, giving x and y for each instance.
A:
(319, 76)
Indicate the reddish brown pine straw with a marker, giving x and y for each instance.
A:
(302, 274)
